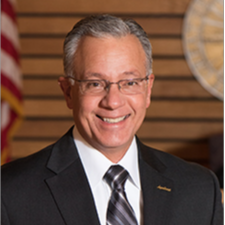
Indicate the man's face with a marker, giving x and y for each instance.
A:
(111, 59)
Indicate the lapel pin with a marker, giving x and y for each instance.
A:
(164, 188)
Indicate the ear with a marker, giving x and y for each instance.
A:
(150, 85)
(65, 86)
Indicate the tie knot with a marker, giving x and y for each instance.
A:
(116, 177)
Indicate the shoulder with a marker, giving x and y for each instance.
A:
(177, 169)
(36, 164)
(195, 188)
(27, 167)
(37, 167)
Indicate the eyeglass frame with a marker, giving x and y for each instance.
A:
(108, 83)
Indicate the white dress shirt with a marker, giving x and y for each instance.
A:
(96, 164)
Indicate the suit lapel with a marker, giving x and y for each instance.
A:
(69, 186)
(157, 190)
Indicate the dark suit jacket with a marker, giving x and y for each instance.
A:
(51, 188)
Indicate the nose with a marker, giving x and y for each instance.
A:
(113, 98)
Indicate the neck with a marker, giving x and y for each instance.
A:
(114, 155)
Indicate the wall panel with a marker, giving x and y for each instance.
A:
(101, 6)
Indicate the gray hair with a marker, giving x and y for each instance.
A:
(101, 26)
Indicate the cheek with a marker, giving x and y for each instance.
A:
(84, 106)
(139, 103)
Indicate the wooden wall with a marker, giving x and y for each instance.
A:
(182, 116)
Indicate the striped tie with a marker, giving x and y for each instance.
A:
(119, 210)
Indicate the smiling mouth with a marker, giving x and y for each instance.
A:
(113, 120)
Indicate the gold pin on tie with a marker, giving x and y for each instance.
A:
(164, 188)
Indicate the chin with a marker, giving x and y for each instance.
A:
(114, 143)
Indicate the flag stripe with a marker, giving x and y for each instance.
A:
(9, 29)
(14, 103)
(9, 10)
(7, 83)
(11, 69)
(6, 136)
(7, 46)
(7, 129)
(11, 84)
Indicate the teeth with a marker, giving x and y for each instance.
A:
(116, 120)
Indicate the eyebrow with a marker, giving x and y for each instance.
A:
(97, 75)
(102, 76)
(134, 73)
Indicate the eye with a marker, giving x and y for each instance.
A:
(94, 84)
(131, 83)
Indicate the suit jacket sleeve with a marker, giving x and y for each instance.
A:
(4, 215)
(218, 212)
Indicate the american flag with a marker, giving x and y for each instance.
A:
(11, 82)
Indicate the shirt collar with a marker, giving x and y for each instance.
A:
(96, 164)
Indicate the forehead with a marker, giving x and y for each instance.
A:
(109, 55)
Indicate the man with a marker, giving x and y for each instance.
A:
(108, 68)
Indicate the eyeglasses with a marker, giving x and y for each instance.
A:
(126, 86)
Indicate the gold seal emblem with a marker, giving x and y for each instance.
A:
(203, 43)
